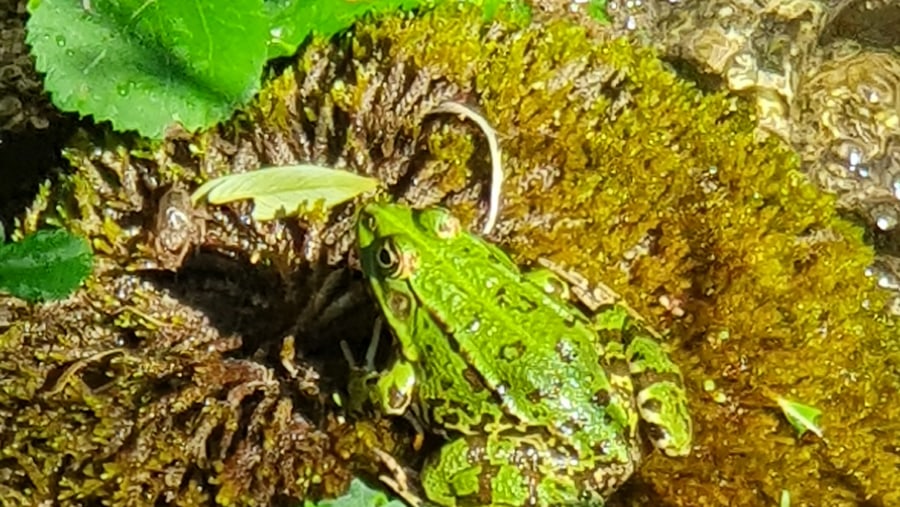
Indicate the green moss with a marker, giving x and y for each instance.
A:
(615, 168)
(660, 190)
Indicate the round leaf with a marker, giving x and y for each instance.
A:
(146, 64)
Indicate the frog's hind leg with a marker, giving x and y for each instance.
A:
(659, 389)
(519, 470)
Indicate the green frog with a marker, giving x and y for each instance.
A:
(539, 404)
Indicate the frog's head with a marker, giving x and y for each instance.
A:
(394, 242)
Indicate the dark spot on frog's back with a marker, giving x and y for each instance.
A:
(500, 297)
(477, 446)
(450, 419)
(399, 304)
(652, 405)
(601, 398)
(474, 379)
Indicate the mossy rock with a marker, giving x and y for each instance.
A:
(615, 167)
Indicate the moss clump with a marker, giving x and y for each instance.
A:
(616, 168)
(629, 175)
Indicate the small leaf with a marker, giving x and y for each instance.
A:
(292, 21)
(359, 495)
(597, 10)
(785, 499)
(283, 191)
(45, 265)
(802, 417)
(146, 64)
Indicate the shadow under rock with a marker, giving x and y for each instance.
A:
(239, 298)
(318, 305)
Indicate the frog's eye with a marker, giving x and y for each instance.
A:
(395, 261)
(387, 256)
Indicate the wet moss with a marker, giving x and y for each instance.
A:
(615, 168)
(631, 176)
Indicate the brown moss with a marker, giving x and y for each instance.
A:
(616, 168)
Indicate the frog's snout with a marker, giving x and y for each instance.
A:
(366, 225)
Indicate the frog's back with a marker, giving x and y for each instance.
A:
(509, 341)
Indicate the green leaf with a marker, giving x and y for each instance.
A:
(597, 10)
(284, 191)
(802, 417)
(146, 64)
(785, 499)
(45, 265)
(359, 495)
(292, 21)
(520, 9)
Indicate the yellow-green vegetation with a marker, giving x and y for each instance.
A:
(616, 168)
(662, 193)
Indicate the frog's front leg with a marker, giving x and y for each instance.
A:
(521, 469)
(390, 390)
(393, 391)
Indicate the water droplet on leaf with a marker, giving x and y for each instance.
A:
(60, 41)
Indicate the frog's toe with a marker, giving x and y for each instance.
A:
(663, 408)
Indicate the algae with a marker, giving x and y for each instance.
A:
(177, 387)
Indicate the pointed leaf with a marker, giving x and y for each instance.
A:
(283, 191)
(802, 417)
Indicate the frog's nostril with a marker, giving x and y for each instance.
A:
(369, 221)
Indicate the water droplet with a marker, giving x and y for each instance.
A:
(872, 96)
(896, 187)
(60, 41)
(885, 282)
(275, 32)
(854, 157)
(70, 53)
(122, 89)
(474, 325)
(862, 171)
(886, 222)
